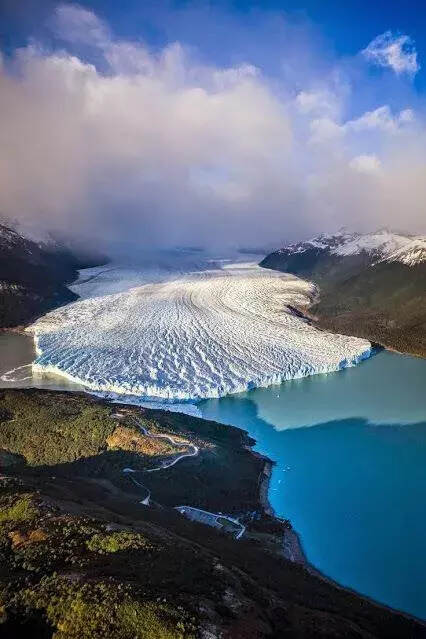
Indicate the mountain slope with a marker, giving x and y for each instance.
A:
(33, 277)
(371, 286)
(411, 254)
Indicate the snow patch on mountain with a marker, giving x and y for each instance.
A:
(413, 253)
(382, 245)
(189, 336)
(323, 242)
(10, 240)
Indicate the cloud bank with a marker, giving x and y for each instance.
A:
(109, 140)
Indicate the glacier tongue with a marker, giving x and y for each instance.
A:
(189, 336)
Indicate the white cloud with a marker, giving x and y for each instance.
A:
(396, 52)
(383, 119)
(234, 75)
(325, 130)
(162, 149)
(320, 103)
(73, 23)
(84, 149)
(129, 58)
(369, 164)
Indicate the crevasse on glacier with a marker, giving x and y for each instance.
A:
(189, 336)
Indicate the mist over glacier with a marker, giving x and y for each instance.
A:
(188, 334)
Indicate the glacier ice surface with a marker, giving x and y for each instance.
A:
(157, 334)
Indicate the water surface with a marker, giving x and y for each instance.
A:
(350, 449)
(350, 452)
(17, 352)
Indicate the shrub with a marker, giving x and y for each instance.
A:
(22, 510)
(103, 609)
(117, 541)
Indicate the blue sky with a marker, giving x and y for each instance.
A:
(296, 117)
(231, 32)
(347, 25)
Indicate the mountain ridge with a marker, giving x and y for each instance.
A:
(34, 276)
(370, 285)
(383, 245)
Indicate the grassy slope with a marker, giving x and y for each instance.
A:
(67, 434)
(81, 558)
(385, 303)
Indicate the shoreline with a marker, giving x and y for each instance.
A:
(264, 481)
(292, 548)
(289, 540)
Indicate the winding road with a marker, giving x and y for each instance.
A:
(197, 514)
(169, 464)
(164, 464)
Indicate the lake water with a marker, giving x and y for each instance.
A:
(350, 452)
(16, 354)
(350, 449)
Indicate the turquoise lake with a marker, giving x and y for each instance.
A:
(350, 474)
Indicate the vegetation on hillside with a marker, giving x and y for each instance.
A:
(384, 302)
(57, 577)
(71, 434)
(80, 557)
(151, 574)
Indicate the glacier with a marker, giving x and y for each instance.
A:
(169, 335)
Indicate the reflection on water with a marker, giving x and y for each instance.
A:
(350, 449)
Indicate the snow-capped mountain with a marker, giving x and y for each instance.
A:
(10, 239)
(411, 254)
(371, 285)
(320, 242)
(378, 244)
(381, 245)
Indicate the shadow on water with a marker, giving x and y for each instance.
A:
(354, 491)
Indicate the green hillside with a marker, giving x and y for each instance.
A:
(383, 302)
(81, 558)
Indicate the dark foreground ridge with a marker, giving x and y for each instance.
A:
(81, 557)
